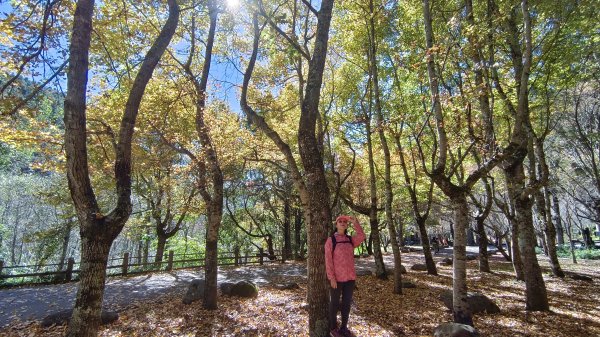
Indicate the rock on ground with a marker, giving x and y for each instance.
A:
(580, 277)
(478, 302)
(241, 289)
(195, 291)
(63, 317)
(407, 284)
(419, 267)
(455, 330)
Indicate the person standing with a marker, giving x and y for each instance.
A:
(341, 272)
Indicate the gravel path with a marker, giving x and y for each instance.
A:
(36, 302)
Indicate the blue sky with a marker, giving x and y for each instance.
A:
(224, 81)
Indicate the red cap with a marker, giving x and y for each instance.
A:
(341, 218)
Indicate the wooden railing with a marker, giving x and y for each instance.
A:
(123, 266)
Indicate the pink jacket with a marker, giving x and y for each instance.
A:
(340, 263)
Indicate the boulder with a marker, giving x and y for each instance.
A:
(63, 317)
(478, 302)
(455, 330)
(408, 284)
(286, 286)
(244, 289)
(195, 291)
(363, 272)
(226, 287)
(445, 262)
(580, 277)
(419, 267)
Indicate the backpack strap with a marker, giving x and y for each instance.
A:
(334, 241)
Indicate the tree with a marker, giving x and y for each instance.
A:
(98, 230)
(313, 187)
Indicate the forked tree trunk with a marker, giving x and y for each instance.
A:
(210, 176)
(97, 230)
(313, 188)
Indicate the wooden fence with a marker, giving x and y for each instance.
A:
(123, 266)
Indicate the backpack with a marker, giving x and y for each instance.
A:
(333, 241)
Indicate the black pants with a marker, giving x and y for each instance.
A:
(345, 289)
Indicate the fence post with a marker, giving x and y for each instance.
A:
(246, 257)
(69, 271)
(1, 267)
(236, 253)
(125, 263)
(260, 252)
(170, 262)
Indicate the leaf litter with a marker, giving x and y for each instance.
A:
(375, 311)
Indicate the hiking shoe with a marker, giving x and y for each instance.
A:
(345, 332)
(335, 333)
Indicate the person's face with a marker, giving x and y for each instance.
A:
(341, 224)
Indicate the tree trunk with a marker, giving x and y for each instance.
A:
(270, 249)
(312, 185)
(85, 320)
(160, 249)
(97, 230)
(535, 289)
(146, 247)
(431, 268)
(215, 213)
(400, 231)
(551, 236)
(470, 236)
(556, 219)
(380, 271)
(516, 252)
(140, 246)
(287, 240)
(389, 196)
(297, 234)
(65, 245)
(318, 213)
(484, 265)
(13, 246)
(542, 243)
(460, 307)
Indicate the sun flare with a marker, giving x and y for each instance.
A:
(233, 4)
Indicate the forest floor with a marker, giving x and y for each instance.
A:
(575, 309)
